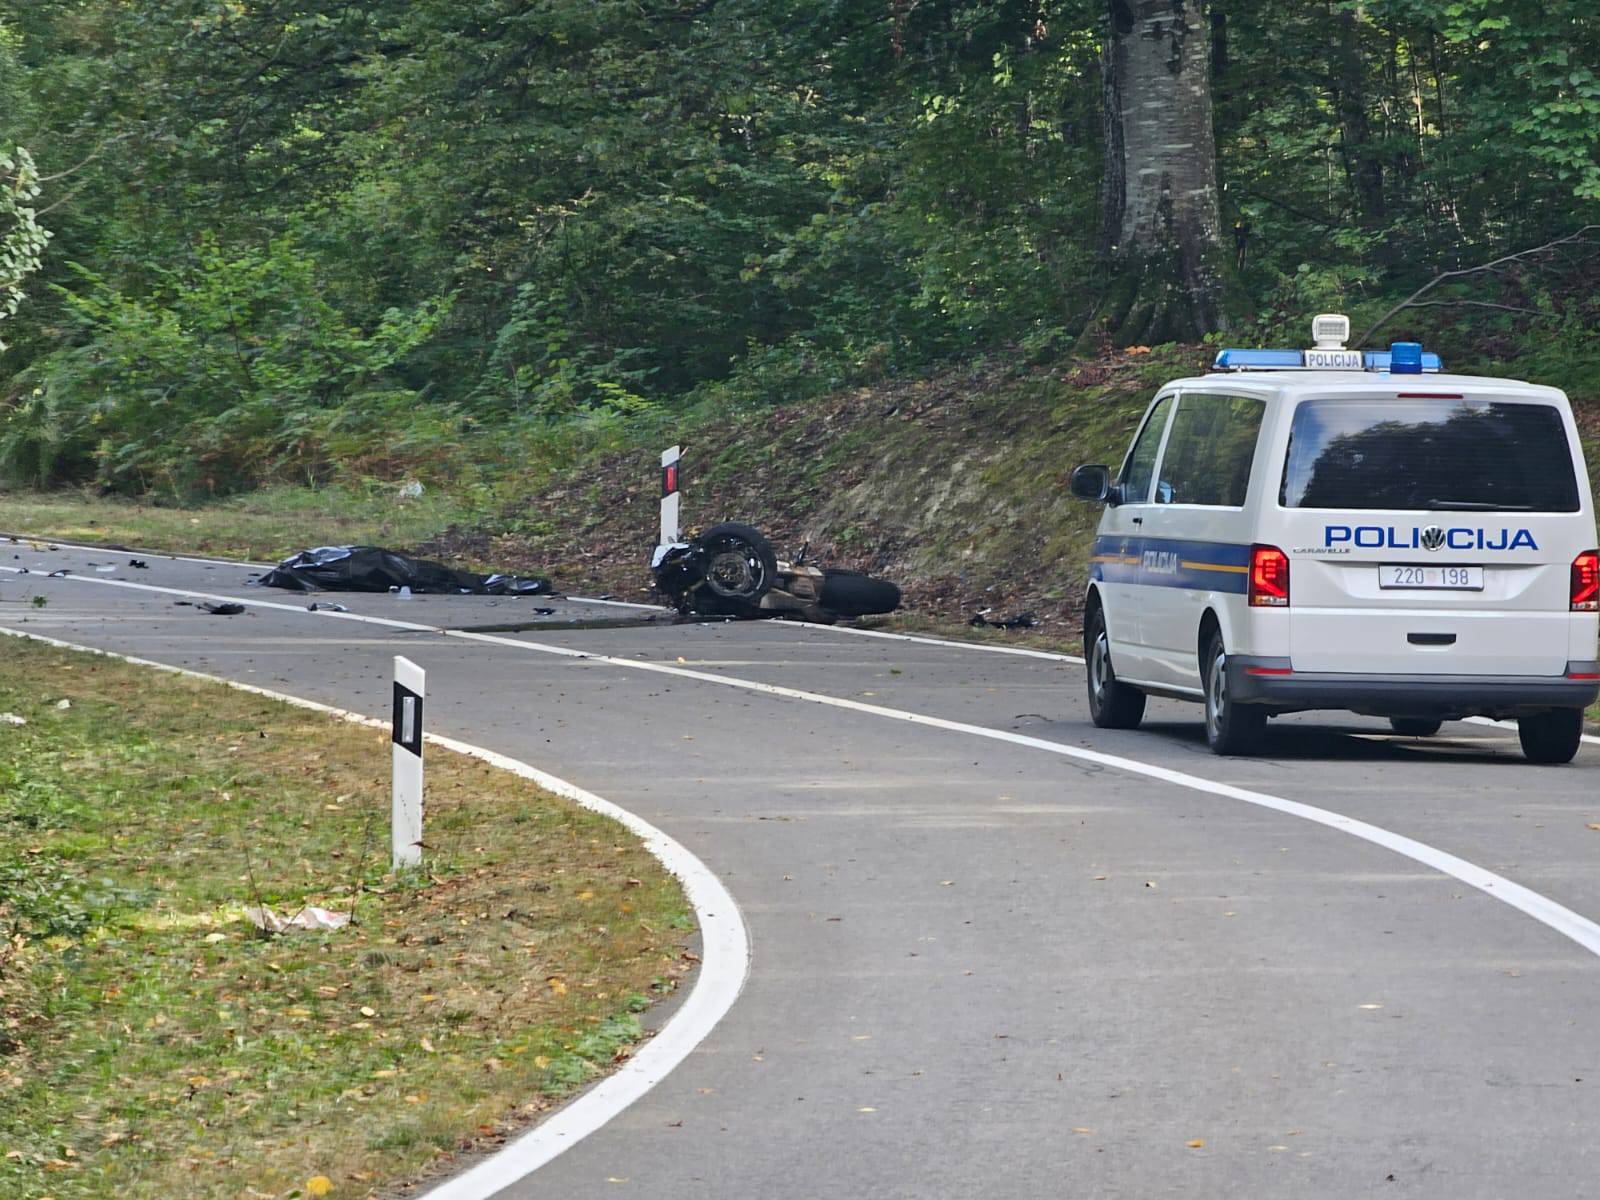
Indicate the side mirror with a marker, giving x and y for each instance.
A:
(1092, 483)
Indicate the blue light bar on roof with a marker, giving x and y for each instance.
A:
(1380, 360)
(1294, 360)
(1259, 360)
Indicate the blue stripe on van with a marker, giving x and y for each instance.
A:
(1171, 562)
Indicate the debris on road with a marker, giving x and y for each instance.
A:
(374, 569)
(224, 608)
(1022, 620)
(138, 564)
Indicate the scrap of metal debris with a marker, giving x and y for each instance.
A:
(1022, 620)
(226, 608)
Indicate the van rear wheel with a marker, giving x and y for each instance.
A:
(1112, 704)
(1231, 727)
(1551, 737)
(1414, 726)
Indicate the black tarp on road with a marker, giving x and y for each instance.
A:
(374, 569)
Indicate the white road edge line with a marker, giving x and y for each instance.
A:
(724, 967)
(1555, 916)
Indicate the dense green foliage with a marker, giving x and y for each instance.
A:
(294, 237)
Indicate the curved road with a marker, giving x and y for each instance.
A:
(981, 968)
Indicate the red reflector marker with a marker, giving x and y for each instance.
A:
(1269, 670)
(1586, 582)
(1269, 577)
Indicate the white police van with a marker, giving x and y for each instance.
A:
(1339, 529)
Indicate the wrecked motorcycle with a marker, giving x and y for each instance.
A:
(731, 570)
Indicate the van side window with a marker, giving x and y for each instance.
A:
(1209, 454)
(1141, 465)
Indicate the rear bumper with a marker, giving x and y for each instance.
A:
(1271, 682)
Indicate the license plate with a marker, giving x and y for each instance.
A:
(1465, 579)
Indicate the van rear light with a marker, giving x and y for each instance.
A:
(1269, 577)
(1586, 582)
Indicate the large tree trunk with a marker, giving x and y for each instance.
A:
(1161, 220)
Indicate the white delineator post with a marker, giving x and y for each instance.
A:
(670, 532)
(405, 808)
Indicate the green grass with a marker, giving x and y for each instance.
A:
(261, 526)
(154, 1044)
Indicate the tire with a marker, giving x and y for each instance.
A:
(740, 568)
(1231, 728)
(1551, 737)
(1414, 726)
(852, 594)
(1112, 705)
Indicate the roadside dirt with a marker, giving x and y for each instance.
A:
(952, 486)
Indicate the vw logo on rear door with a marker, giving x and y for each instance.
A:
(1432, 537)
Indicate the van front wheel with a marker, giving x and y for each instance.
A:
(1112, 704)
(1551, 737)
(1231, 728)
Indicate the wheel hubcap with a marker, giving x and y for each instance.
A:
(733, 573)
(1216, 695)
(1100, 668)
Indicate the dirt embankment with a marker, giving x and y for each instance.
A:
(953, 486)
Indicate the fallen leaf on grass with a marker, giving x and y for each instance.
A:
(319, 1185)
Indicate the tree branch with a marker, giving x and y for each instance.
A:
(1473, 304)
(93, 154)
(1411, 301)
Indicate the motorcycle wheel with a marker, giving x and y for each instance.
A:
(740, 568)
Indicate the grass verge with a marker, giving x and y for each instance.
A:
(153, 1044)
(262, 526)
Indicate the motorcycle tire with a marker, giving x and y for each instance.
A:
(852, 594)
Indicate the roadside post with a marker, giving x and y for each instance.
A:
(670, 532)
(405, 807)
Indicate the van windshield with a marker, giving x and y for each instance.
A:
(1429, 454)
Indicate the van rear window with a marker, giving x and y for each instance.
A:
(1467, 455)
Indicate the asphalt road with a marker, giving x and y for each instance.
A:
(985, 969)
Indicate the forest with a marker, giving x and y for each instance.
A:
(257, 241)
